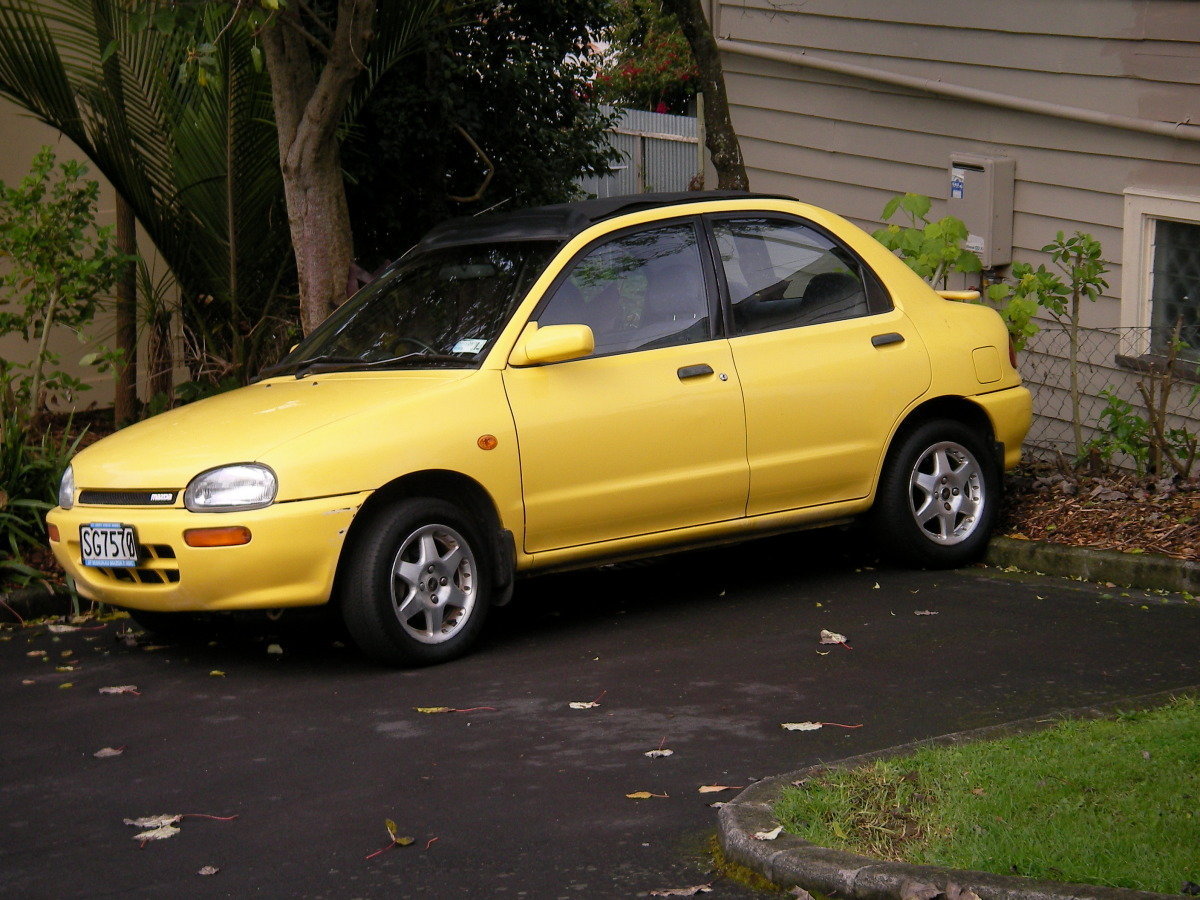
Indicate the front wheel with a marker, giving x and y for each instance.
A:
(937, 497)
(418, 583)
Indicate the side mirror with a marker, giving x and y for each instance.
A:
(554, 343)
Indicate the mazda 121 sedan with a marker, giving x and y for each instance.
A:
(552, 388)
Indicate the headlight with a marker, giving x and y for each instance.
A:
(228, 488)
(66, 489)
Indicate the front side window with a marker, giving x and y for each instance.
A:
(782, 274)
(1175, 287)
(638, 291)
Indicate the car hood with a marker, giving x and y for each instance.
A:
(243, 425)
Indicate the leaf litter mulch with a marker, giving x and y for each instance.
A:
(1105, 512)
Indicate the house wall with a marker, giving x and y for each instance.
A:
(851, 143)
(21, 136)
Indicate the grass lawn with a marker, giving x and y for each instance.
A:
(1113, 802)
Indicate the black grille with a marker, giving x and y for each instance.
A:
(160, 497)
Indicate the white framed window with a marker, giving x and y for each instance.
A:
(1160, 256)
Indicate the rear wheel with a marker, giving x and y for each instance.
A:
(938, 496)
(418, 584)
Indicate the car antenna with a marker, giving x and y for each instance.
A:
(490, 208)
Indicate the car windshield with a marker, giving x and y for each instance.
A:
(442, 308)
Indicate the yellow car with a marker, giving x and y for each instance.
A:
(552, 388)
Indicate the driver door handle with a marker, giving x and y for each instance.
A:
(696, 371)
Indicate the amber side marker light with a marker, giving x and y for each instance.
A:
(52, 531)
(487, 442)
(230, 536)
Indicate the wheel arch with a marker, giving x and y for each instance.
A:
(956, 409)
(453, 487)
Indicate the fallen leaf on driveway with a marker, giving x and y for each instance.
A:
(588, 704)
(716, 788)
(768, 835)
(832, 637)
(120, 689)
(36, 653)
(217, 673)
(655, 754)
(683, 891)
(61, 629)
(208, 870)
(924, 612)
(274, 649)
(645, 795)
(800, 726)
(106, 752)
(434, 710)
(800, 892)
(157, 834)
(153, 821)
(397, 839)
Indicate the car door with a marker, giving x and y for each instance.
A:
(648, 433)
(827, 364)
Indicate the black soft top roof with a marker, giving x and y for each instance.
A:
(562, 221)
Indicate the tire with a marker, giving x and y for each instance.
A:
(938, 496)
(418, 584)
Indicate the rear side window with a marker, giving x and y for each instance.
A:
(638, 291)
(783, 274)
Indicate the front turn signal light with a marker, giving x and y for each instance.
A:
(227, 536)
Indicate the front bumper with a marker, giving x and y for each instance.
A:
(290, 560)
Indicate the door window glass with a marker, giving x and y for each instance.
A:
(636, 292)
(784, 275)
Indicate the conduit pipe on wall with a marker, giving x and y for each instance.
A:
(1180, 130)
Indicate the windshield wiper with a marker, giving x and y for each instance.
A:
(362, 365)
(303, 365)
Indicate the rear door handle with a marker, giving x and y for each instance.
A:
(694, 371)
(882, 340)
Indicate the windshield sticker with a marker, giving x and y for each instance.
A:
(469, 345)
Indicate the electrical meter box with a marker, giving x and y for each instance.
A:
(981, 194)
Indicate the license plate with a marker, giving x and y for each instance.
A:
(108, 544)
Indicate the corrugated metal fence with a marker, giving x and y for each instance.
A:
(660, 152)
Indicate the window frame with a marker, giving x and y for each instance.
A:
(1144, 207)
(712, 300)
(879, 298)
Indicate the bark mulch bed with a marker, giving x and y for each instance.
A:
(1106, 512)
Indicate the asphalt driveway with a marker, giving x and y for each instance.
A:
(705, 655)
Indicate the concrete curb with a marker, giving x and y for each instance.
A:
(35, 603)
(790, 861)
(1136, 570)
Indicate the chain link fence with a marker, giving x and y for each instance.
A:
(1109, 359)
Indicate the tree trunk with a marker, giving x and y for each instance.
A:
(125, 402)
(308, 108)
(723, 147)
